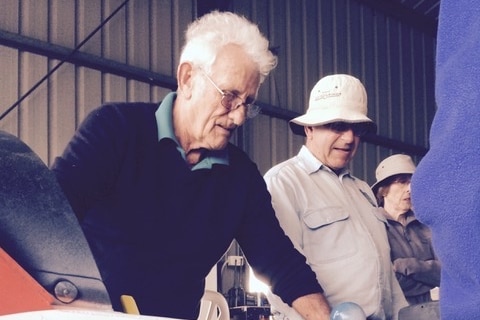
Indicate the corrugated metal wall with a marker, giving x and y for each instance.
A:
(143, 34)
(142, 41)
(315, 38)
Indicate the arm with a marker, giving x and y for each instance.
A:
(427, 272)
(312, 306)
(268, 250)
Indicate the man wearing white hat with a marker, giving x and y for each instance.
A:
(331, 216)
(413, 257)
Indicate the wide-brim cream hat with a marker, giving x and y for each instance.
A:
(393, 165)
(337, 97)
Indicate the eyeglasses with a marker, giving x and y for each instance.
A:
(358, 129)
(232, 102)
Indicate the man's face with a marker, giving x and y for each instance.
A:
(212, 124)
(334, 149)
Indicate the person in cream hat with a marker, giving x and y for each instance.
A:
(416, 266)
(327, 212)
(391, 166)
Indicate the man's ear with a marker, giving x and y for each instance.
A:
(308, 131)
(185, 79)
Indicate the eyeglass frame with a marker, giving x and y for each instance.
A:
(359, 129)
(252, 109)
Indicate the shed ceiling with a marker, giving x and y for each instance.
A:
(422, 14)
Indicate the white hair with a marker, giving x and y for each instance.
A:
(208, 34)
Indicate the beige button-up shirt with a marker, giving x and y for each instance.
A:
(334, 221)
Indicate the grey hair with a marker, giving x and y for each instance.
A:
(208, 34)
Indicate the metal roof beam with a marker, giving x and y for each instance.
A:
(404, 14)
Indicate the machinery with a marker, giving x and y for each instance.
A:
(45, 261)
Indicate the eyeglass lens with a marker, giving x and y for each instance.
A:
(231, 101)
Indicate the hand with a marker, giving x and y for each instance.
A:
(312, 307)
(405, 266)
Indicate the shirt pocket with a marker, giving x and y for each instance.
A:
(328, 235)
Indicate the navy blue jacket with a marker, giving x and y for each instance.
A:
(156, 228)
(446, 185)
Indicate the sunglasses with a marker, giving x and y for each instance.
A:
(358, 129)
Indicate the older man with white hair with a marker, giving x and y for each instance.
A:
(161, 193)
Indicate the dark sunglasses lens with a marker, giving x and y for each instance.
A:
(359, 129)
(339, 126)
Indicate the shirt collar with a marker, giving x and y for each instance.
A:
(164, 118)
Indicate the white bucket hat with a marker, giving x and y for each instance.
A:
(337, 97)
(393, 165)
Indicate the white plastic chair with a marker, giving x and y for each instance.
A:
(214, 306)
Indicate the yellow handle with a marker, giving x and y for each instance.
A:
(129, 305)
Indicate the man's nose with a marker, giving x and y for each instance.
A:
(348, 135)
(238, 115)
(409, 187)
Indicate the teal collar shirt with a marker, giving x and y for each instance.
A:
(164, 117)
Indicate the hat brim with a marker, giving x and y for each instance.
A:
(378, 184)
(307, 120)
(323, 116)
